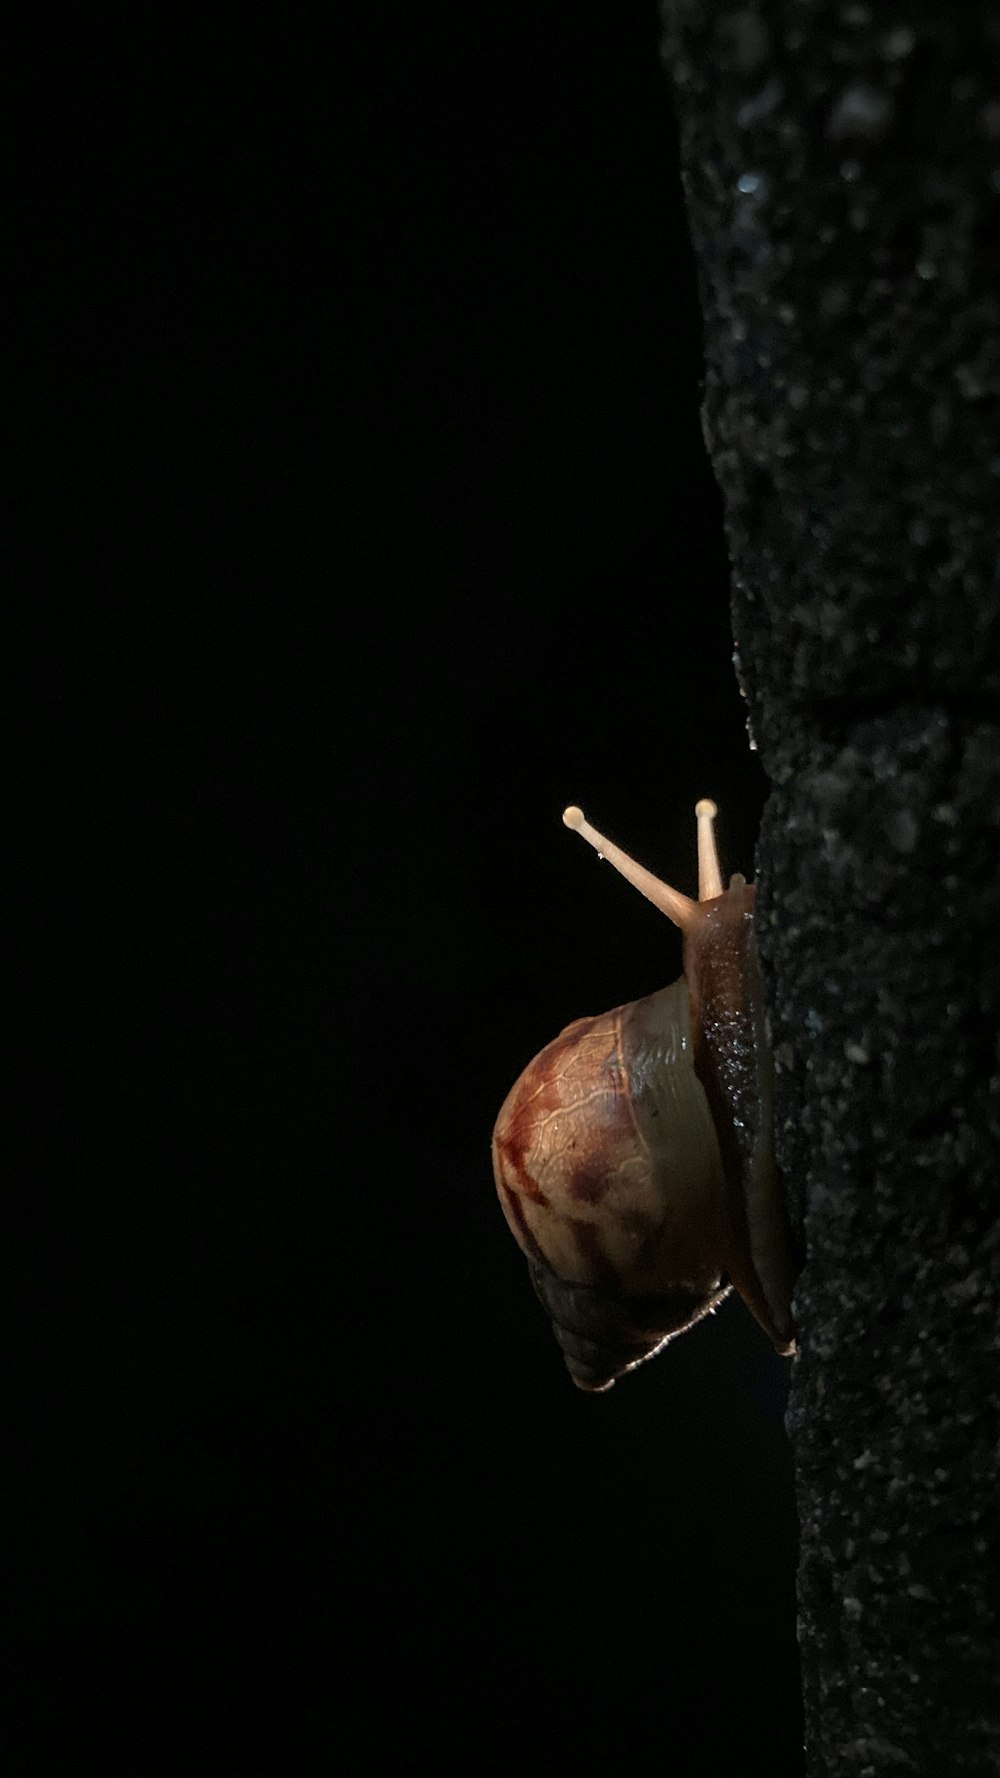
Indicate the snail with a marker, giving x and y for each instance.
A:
(634, 1157)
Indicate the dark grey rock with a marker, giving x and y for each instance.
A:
(848, 239)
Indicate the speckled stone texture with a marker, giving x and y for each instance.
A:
(842, 165)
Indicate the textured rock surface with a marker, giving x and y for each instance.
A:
(842, 165)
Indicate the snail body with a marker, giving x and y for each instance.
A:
(634, 1157)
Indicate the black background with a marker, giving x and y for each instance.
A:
(376, 495)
